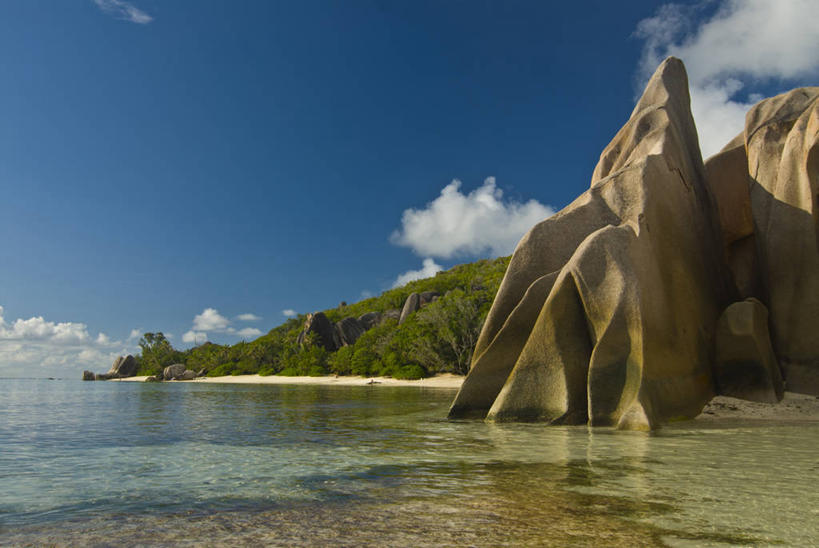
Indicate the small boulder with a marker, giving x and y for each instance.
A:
(88, 376)
(411, 305)
(173, 371)
(745, 364)
(153, 378)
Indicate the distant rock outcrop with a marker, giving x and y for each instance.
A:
(608, 313)
(370, 320)
(324, 330)
(174, 371)
(123, 367)
(348, 331)
(416, 301)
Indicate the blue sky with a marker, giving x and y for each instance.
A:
(172, 166)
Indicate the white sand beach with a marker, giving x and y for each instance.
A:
(439, 381)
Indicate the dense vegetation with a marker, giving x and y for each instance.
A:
(438, 338)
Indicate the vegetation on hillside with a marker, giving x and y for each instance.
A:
(438, 338)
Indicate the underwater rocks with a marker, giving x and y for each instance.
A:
(608, 313)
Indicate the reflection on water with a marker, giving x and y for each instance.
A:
(101, 463)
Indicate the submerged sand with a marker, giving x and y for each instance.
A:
(793, 408)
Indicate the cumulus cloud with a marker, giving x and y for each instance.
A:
(248, 317)
(477, 223)
(120, 9)
(429, 269)
(210, 320)
(194, 337)
(37, 347)
(248, 332)
(289, 312)
(744, 44)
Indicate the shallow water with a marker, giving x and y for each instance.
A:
(187, 463)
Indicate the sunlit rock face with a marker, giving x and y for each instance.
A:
(607, 314)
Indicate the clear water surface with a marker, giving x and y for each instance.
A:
(190, 464)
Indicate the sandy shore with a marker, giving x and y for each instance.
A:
(438, 381)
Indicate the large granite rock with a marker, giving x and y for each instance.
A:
(123, 366)
(348, 331)
(782, 143)
(324, 330)
(174, 371)
(745, 365)
(369, 320)
(411, 305)
(607, 312)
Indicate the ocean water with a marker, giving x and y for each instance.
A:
(102, 463)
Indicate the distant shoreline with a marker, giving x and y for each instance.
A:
(446, 380)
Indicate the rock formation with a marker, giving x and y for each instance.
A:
(348, 331)
(123, 366)
(370, 320)
(745, 365)
(324, 330)
(411, 305)
(175, 371)
(608, 312)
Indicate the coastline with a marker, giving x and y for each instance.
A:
(793, 408)
(447, 380)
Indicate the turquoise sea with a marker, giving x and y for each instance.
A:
(103, 463)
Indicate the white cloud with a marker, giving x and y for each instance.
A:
(135, 334)
(210, 320)
(248, 317)
(468, 224)
(248, 332)
(429, 269)
(366, 294)
(120, 9)
(289, 312)
(194, 337)
(36, 347)
(744, 44)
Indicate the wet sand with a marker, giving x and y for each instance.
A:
(793, 408)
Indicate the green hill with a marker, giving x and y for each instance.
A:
(438, 338)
